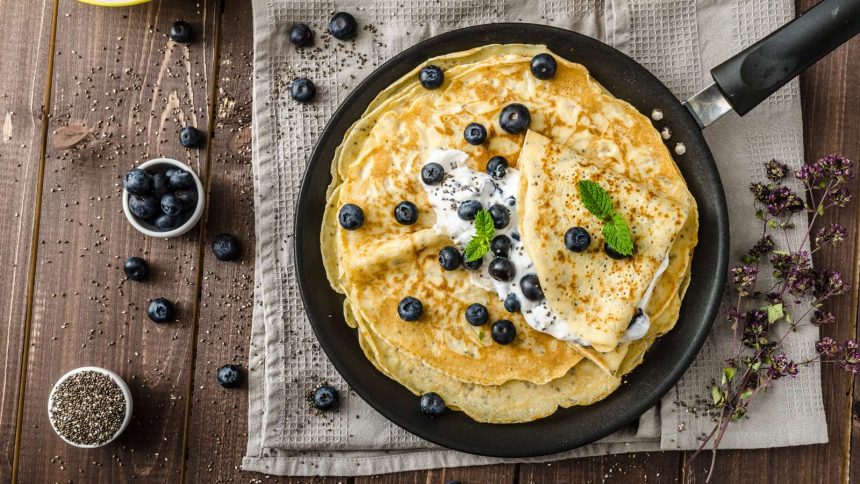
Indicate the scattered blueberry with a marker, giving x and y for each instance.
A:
(473, 265)
(512, 303)
(161, 310)
(226, 247)
(543, 66)
(410, 308)
(343, 26)
(230, 376)
(577, 239)
(303, 90)
(143, 207)
(187, 197)
(137, 182)
(453, 482)
(450, 258)
(515, 118)
(166, 222)
(477, 314)
(160, 185)
(500, 245)
(432, 173)
(504, 332)
(326, 397)
(406, 213)
(350, 217)
(190, 137)
(136, 269)
(431, 77)
(432, 404)
(180, 31)
(468, 209)
(497, 167)
(301, 35)
(180, 178)
(501, 216)
(501, 269)
(530, 286)
(171, 205)
(612, 252)
(475, 134)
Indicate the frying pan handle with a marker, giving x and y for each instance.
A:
(751, 76)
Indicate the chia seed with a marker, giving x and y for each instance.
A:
(88, 408)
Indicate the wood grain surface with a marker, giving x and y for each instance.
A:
(119, 91)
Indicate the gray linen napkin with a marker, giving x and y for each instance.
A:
(678, 40)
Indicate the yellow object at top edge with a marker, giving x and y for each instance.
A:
(114, 3)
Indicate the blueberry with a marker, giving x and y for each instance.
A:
(137, 182)
(180, 178)
(504, 332)
(530, 286)
(475, 134)
(303, 90)
(515, 118)
(230, 376)
(450, 258)
(468, 209)
(169, 172)
(501, 269)
(188, 198)
(190, 137)
(171, 205)
(473, 265)
(432, 173)
(497, 167)
(160, 185)
(577, 239)
(161, 310)
(226, 247)
(432, 404)
(143, 207)
(326, 397)
(350, 217)
(136, 269)
(613, 253)
(166, 222)
(512, 303)
(301, 35)
(431, 77)
(515, 235)
(501, 216)
(477, 314)
(343, 26)
(543, 66)
(410, 308)
(406, 213)
(180, 31)
(500, 245)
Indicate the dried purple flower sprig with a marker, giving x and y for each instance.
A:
(760, 320)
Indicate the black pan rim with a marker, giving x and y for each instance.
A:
(418, 424)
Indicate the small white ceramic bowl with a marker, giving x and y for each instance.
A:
(147, 228)
(122, 386)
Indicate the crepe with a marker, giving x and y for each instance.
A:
(378, 165)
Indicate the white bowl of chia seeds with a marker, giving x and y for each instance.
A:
(89, 407)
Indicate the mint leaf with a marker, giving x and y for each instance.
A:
(617, 235)
(595, 199)
(476, 249)
(484, 225)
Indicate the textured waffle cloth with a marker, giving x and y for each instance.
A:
(678, 40)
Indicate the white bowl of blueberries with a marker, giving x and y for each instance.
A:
(162, 198)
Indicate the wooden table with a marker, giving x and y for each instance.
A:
(87, 92)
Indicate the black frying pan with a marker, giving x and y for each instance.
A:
(740, 84)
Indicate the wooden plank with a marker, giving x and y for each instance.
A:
(495, 474)
(831, 119)
(644, 467)
(22, 106)
(121, 91)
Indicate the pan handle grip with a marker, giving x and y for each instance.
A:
(751, 76)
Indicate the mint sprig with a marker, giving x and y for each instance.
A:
(616, 232)
(485, 228)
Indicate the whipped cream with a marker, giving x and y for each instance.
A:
(462, 183)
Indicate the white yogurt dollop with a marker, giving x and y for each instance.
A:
(462, 183)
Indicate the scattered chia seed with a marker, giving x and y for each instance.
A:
(88, 408)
